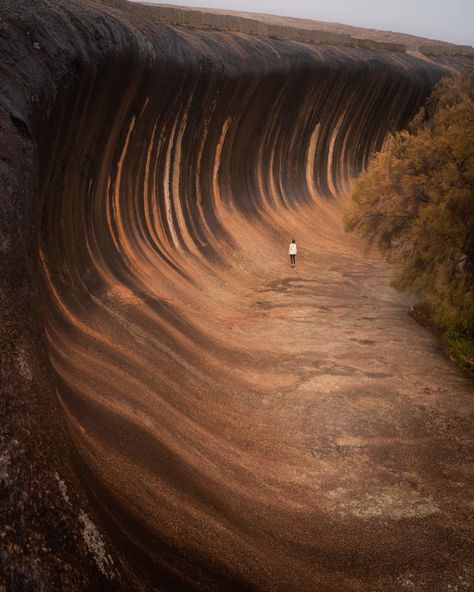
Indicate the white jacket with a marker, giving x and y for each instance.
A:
(292, 250)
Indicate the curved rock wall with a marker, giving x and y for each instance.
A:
(166, 157)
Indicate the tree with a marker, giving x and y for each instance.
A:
(416, 203)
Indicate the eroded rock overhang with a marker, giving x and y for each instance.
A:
(137, 158)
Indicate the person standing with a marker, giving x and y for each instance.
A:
(292, 252)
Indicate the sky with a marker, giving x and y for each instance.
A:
(446, 20)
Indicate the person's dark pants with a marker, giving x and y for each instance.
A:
(293, 259)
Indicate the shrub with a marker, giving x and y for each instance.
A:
(415, 202)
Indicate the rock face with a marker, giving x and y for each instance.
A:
(150, 176)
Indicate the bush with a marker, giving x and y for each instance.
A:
(416, 203)
(461, 348)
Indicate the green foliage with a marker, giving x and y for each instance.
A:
(416, 203)
(461, 347)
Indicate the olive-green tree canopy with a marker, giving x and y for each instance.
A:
(416, 203)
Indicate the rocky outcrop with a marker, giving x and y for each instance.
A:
(137, 160)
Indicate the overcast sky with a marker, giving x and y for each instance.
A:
(447, 20)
